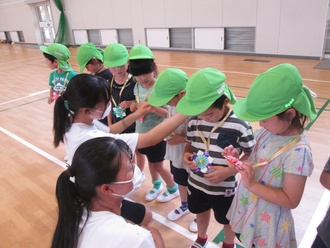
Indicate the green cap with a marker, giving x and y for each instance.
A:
(169, 83)
(203, 88)
(140, 52)
(86, 52)
(115, 55)
(275, 91)
(60, 52)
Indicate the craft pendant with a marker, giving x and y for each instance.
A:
(203, 160)
(119, 112)
(56, 94)
(142, 119)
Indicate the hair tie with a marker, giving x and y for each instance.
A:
(72, 178)
(66, 105)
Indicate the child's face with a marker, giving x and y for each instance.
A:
(51, 65)
(275, 125)
(145, 79)
(212, 114)
(119, 70)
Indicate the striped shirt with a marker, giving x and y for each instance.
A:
(232, 132)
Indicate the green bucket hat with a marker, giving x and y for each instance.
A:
(86, 52)
(169, 83)
(115, 55)
(275, 91)
(140, 52)
(203, 89)
(60, 52)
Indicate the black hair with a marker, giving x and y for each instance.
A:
(95, 162)
(91, 61)
(51, 58)
(299, 121)
(83, 91)
(139, 67)
(219, 102)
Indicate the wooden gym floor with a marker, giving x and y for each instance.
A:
(30, 165)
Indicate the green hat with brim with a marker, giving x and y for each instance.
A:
(86, 52)
(169, 83)
(60, 52)
(140, 52)
(115, 55)
(275, 91)
(203, 89)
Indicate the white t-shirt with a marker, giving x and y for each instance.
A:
(80, 132)
(105, 229)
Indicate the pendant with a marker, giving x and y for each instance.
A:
(56, 94)
(119, 112)
(142, 119)
(203, 160)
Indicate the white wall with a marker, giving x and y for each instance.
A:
(283, 27)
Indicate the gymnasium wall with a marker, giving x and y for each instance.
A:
(282, 27)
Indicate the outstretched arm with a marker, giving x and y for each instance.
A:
(159, 132)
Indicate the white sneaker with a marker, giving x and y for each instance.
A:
(153, 193)
(193, 226)
(166, 196)
(177, 213)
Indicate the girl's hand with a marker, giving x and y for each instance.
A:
(143, 109)
(247, 173)
(124, 104)
(187, 159)
(230, 151)
(133, 106)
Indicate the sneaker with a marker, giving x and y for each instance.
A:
(198, 245)
(166, 196)
(153, 193)
(193, 226)
(177, 213)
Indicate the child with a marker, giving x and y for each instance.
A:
(57, 56)
(143, 67)
(211, 183)
(90, 194)
(322, 239)
(91, 58)
(169, 89)
(273, 179)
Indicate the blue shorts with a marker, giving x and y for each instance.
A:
(199, 202)
(155, 153)
(180, 176)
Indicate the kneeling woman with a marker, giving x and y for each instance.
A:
(90, 194)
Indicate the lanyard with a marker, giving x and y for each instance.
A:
(121, 90)
(145, 97)
(208, 141)
(283, 149)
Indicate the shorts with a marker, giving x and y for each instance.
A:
(133, 211)
(155, 153)
(199, 202)
(180, 176)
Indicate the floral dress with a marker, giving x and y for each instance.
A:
(259, 222)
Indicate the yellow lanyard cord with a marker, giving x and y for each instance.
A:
(145, 97)
(283, 149)
(208, 141)
(121, 90)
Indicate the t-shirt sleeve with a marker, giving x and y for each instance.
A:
(51, 79)
(148, 242)
(299, 161)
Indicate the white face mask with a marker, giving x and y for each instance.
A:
(138, 178)
(105, 113)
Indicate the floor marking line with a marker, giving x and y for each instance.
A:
(24, 97)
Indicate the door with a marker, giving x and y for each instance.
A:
(158, 37)
(209, 38)
(46, 25)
